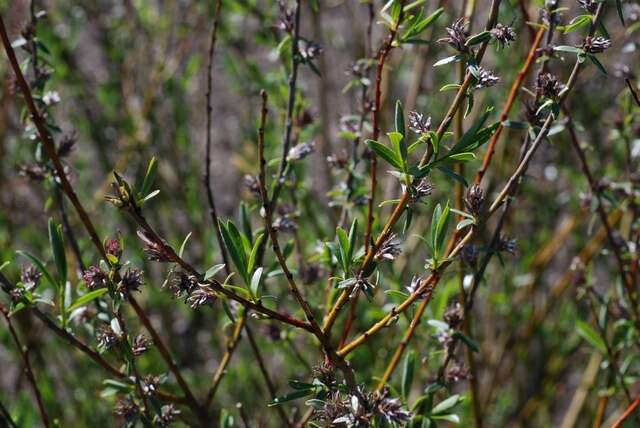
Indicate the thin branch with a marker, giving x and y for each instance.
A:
(293, 80)
(207, 175)
(27, 367)
(265, 374)
(628, 412)
(232, 344)
(375, 120)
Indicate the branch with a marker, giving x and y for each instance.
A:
(27, 367)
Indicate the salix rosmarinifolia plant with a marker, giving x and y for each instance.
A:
(256, 281)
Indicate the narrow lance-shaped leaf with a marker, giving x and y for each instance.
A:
(233, 242)
(385, 153)
(149, 177)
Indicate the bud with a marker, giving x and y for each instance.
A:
(596, 44)
(503, 34)
(95, 278)
(389, 249)
(485, 78)
(474, 199)
(418, 123)
(548, 85)
(457, 35)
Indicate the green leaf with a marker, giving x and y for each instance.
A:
(439, 230)
(512, 124)
(256, 279)
(447, 417)
(478, 38)
(428, 20)
(462, 157)
(452, 174)
(597, 63)
(619, 9)
(254, 252)
(86, 298)
(450, 59)
(570, 49)
(57, 247)
(445, 405)
(577, 22)
(450, 87)
(353, 235)
(399, 119)
(184, 244)
(41, 268)
(588, 333)
(233, 242)
(385, 153)
(399, 146)
(467, 341)
(435, 218)
(212, 271)
(407, 374)
(149, 178)
(343, 249)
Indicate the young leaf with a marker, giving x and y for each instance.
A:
(86, 298)
(343, 249)
(400, 147)
(445, 405)
(462, 157)
(478, 38)
(385, 153)
(450, 59)
(254, 252)
(399, 119)
(353, 235)
(233, 242)
(149, 178)
(441, 229)
(589, 334)
(213, 270)
(256, 279)
(184, 244)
